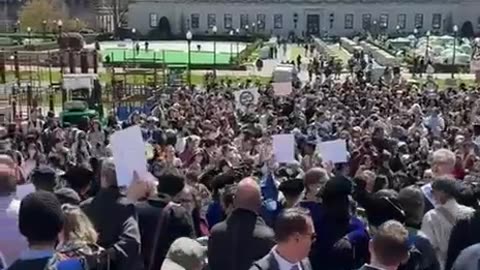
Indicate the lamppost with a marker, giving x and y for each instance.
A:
(29, 31)
(398, 29)
(231, 45)
(214, 30)
(237, 32)
(133, 44)
(60, 25)
(253, 27)
(375, 29)
(428, 46)
(246, 29)
(455, 31)
(295, 20)
(44, 28)
(415, 66)
(189, 40)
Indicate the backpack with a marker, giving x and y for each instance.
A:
(92, 255)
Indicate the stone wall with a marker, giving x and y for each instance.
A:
(382, 57)
(349, 45)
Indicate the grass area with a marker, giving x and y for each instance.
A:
(167, 56)
(340, 53)
(295, 51)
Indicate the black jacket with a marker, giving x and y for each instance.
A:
(465, 233)
(469, 259)
(115, 221)
(177, 224)
(269, 263)
(237, 242)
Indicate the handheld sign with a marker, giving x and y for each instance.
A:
(284, 148)
(282, 88)
(334, 151)
(128, 151)
(245, 98)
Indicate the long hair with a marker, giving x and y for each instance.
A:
(77, 227)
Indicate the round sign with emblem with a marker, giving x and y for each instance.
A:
(246, 98)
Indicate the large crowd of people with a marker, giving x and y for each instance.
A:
(216, 198)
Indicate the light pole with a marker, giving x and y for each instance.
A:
(133, 44)
(60, 25)
(231, 45)
(415, 62)
(237, 31)
(189, 40)
(214, 30)
(398, 29)
(253, 27)
(375, 29)
(428, 45)
(29, 31)
(44, 28)
(246, 29)
(455, 31)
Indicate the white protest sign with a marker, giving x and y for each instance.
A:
(284, 148)
(24, 190)
(128, 151)
(245, 98)
(282, 88)
(334, 151)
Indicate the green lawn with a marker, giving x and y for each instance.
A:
(171, 57)
(296, 50)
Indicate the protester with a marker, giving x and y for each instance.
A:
(243, 237)
(294, 233)
(185, 254)
(113, 217)
(78, 238)
(389, 247)
(437, 223)
(11, 241)
(162, 221)
(40, 221)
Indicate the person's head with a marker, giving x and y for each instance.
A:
(186, 198)
(44, 178)
(68, 195)
(40, 218)
(248, 195)
(8, 179)
(227, 198)
(185, 254)
(444, 189)
(32, 151)
(170, 184)
(96, 126)
(79, 179)
(294, 233)
(108, 176)
(389, 246)
(413, 203)
(77, 228)
(443, 162)
(315, 179)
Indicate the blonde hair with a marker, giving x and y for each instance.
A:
(77, 227)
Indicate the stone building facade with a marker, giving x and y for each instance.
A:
(319, 17)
